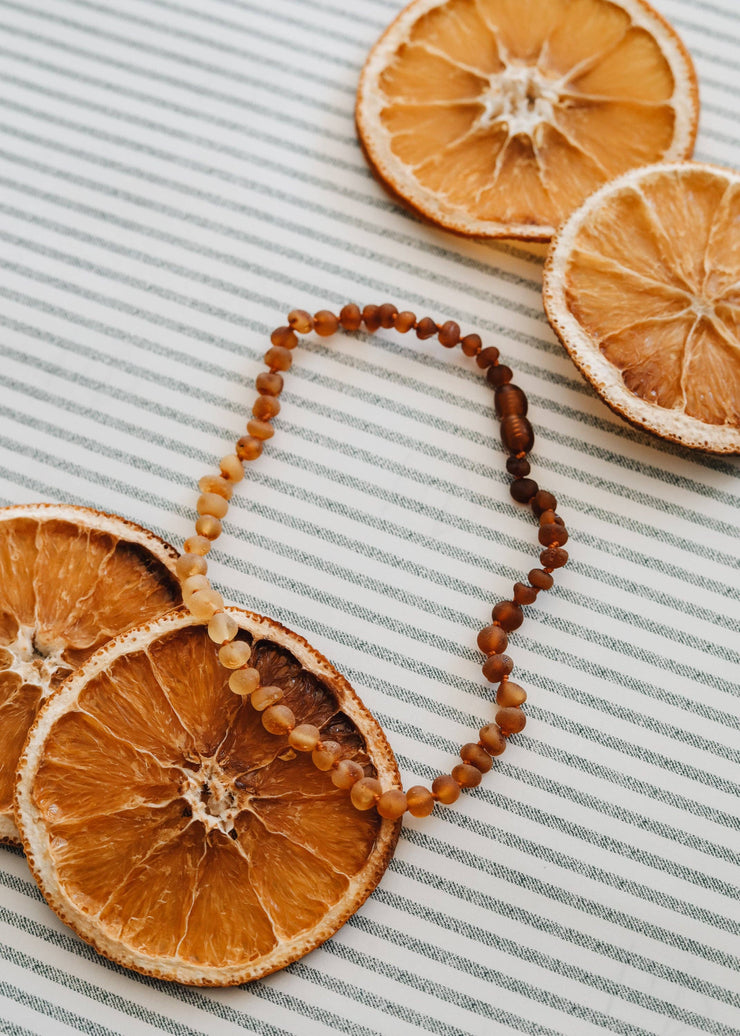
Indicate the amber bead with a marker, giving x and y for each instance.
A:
(547, 517)
(216, 484)
(492, 739)
(392, 804)
(511, 721)
(499, 375)
(244, 681)
(264, 697)
(265, 408)
(517, 434)
(269, 382)
(325, 323)
(405, 321)
(524, 594)
(509, 399)
(543, 501)
(388, 313)
(365, 793)
(235, 655)
(476, 756)
(553, 535)
(496, 667)
(523, 489)
(471, 345)
(510, 695)
(509, 614)
(231, 468)
(260, 429)
(553, 557)
(190, 565)
(325, 754)
(248, 448)
(278, 719)
(209, 527)
(301, 321)
(419, 801)
(350, 317)
(492, 639)
(304, 738)
(519, 467)
(196, 545)
(371, 317)
(278, 358)
(212, 503)
(487, 357)
(540, 580)
(426, 328)
(346, 773)
(449, 334)
(284, 338)
(446, 789)
(466, 776)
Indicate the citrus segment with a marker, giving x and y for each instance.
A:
(70, 578)
(498, 117)
(641, 287)
(223, 854)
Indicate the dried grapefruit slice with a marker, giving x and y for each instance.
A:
(498, 117)
(642, 286)
(70, 579)
(173, 832)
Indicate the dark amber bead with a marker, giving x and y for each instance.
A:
(467, 776)
(496, 667)
(542, 580)
(426, 328)
(519, 467)
(492, 639)
(248, 448)
(523, 489)
(509, 614)
(265, 408)
(325, 323)
(510, 695)
(543, 501)
(554, 557)
(510, 399)
(476, 756)
(446, 789)
(405, 321)
(492, 739)
(471, 345)
(517, 434)
(449, 334)
(387, 314)
(487, 357)
(271, 384)
(553, 535)
(511, 721)
(547, 517)
(499, 375)
(371, 317)
(284, 338)
(300, 321)
(524, 594)
(350, 317)
(278, 358)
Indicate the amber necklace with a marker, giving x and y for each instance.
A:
(206, 605)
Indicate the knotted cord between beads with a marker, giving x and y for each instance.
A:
(205, 604)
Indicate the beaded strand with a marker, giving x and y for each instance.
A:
(206, 605)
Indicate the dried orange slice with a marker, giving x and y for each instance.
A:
(178, 836)
(498, 117)
(642, 286)
(70, 579)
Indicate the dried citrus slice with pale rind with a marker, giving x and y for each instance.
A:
(498, 117)
(642, 286)
(178, 836)
(70, 579)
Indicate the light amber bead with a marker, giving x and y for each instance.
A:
(371, 317)
(248, 448)
(325, 323)
(235, 654)
(204, 604)
(212, 503)
(350, 317)
(511, 720)
(325, 754)
(222, 628)
(265, 408)
(216, 484)
(209, 527)
(387, 314)
(231, 467)
(278, 358)
(426, 328)
(284, 338)
(346, 773)
(301, 321)
(392, 804)
(476, 756)
(264, 697)
(492, 640)
(196, 545)
(471, 345)
(524, 594)
(260, 429)
(445, 789)
(365, 793)
(269, 382)
(420, 801)
(508, 614)
(487, 357)
(244, 681)
(492, 739)
(449, 334)
(467, 776)
(305, 737)
(278, 719)
(510, 695)
(194, 583)
(405, 321)
(190, 565)
(497, 666)
(542, 580)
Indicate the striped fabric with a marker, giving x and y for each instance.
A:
(175, 176)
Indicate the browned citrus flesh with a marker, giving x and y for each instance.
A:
(642, 285)
(498, 117)
(178, 836)
(70, 579)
